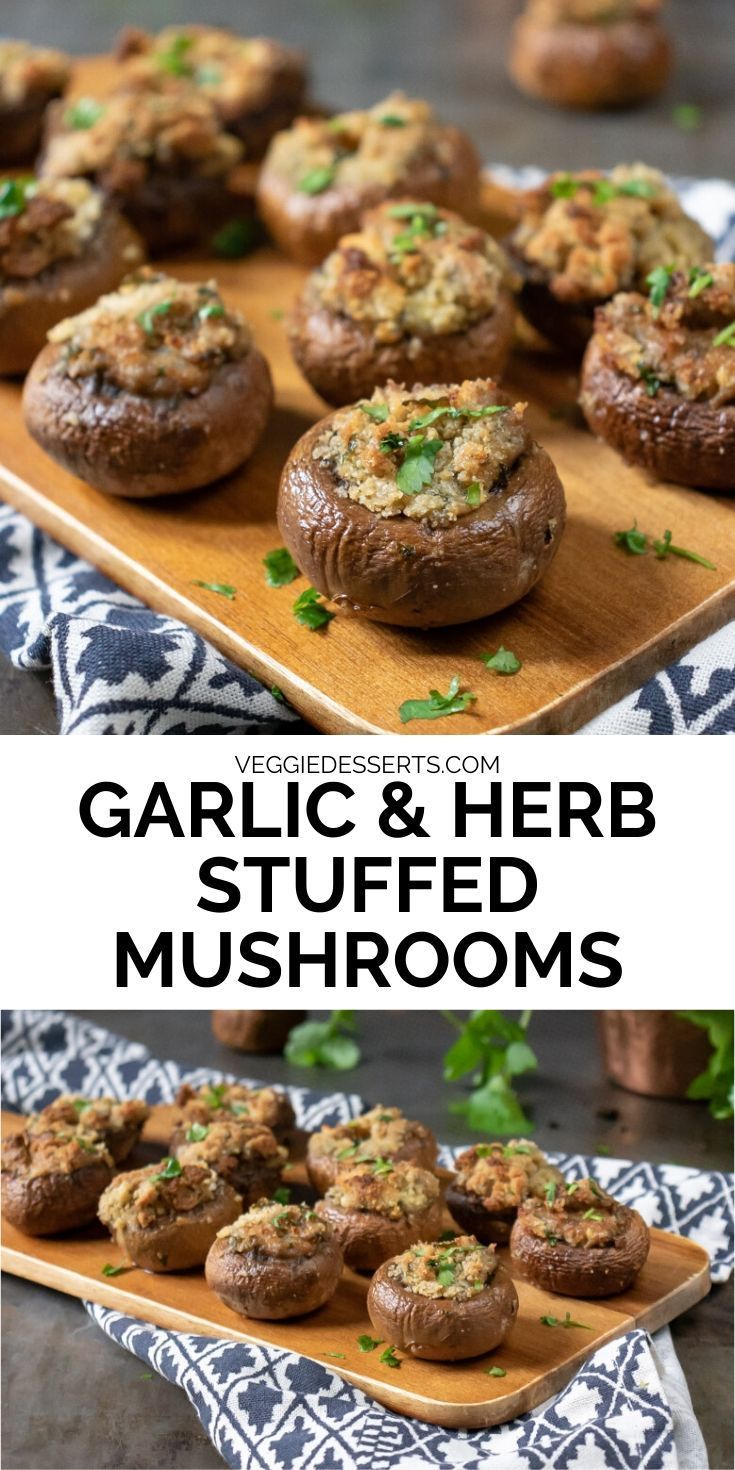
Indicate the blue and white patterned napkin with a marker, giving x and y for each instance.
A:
(267, 1408)
(119, 669)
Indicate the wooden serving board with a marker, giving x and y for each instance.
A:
(538, 1360)
(599, 625)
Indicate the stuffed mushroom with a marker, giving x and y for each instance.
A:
(321, 175)
(275, 1262)
(165, 1217)
(379, 1208)
(245, 1154)
(579, 1241)
(155, 389)
(658, 377)
(30, 78)
(591, 53)
(256, 85)
(164, 161)
(583, 237)
(443, 1302)
(61, 246)
(422, 508)
(52, 1179)
(255, 1031)
(213, 1101)
(415, 295)
(381, 1133)
(118, 1124)
(492, 1181)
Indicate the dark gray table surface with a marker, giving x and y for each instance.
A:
(94, 1408)
(452, 52)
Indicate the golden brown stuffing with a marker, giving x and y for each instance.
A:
(160, 1191)
(155, 336)
(432, 453)
(379, 146)
(238, 74)
(94, 1115)
(56, 1150)
(231, 1099)
(504, 1174)
(45, 220)
(684, 341)
(380, 1133)
(228, 1143)
(412, 270)
(579, 1214)
(131, 137)
(285, 1232)
(454, 1271)
(28, 73)
(383, 1188)
(592, 235)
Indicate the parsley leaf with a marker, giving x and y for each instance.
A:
(592, 1215)
(222, 588)
(147, 319)
(437, 705)
(170, 1170)
(382, 1166)
(236, 238)
(550, 1192)
(83, 114)
(639, 542)
(174, 59)
(278, 694)
(634, 541)
(496, 1372)
(502, 661)
(389, 1358)
(196, 1133)
(309, 610)
(473, 493)
(390, 443)
(280, 567)
(699, 281)
(115, 1270)
(687, 116)
(324, 1044)
(368, 1344)
(649, 377)
(14, 197)
(725, 338)
(392, 120)
(564, 187)
(567, 1322)
(282, 1195)
(317, 179)
(443, 410)
(658, 281)
(445, 1276)
(212, 309)
(378, 412)
(417, 468)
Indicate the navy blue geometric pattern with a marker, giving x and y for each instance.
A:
(270, 1409)
(119, 669)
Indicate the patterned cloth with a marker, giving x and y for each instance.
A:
(268, 1409)
(119, 669)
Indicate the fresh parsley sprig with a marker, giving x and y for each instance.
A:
(493, 1049)
(325, 1044)
(309, 610)
(280, 567)
(438, 704)
(638, 543)
(502, 661)
(567, 1321)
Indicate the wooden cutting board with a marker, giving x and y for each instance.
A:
(538, 1360)
(599, 625)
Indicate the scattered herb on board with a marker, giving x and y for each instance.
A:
(496, 1372)
(309, 610)
(568, 1321)
(699, 281)
(551, 1192)
(13, 197)
(282, 1195)
(502, 661)
(638, 543)
(658, 282)
(278, 694)
(389, 1358)
(280, 567)
(437, 705)
(171, 1170)
(368, 1344)
(144, 1376)
(334, 1355)
(115, 1270)
(378, 412)
(147, 319)
(725, 338)
(223, 589)
(493, 1048)
(715, 1083)
(324, 1043)
(317, 179)
(235, 239)
(83, 114)
(277, 313)
(687, 116)
(197, 1132)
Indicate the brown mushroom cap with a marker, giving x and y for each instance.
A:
(689, 442)
(52, 1179)
(136, 446)
(578, 1270)
(590, 66)
(268, 1289)
(179, 1237)
(255, 1031)
(442, 1330)
(364, 1138)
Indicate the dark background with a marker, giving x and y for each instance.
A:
(94, 1408)
(450, 51)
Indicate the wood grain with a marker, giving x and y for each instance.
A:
(599, 625)
(538, 1360)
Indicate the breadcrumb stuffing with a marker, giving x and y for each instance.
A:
(579, 1214)
(380, 1133)
(28, 73)
(503, 1175)
(238, 73)
(454, 1272)
(395, 1190)
(283, 1232)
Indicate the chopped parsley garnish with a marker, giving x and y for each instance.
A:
(437, 705)
(282, 1195)
(699, 281)
(196, 1133)
(564, 187)
(334, 1355)
(280, 1220)
(665, 547)
(634, 541)
(79, 1104)
(725, 338)
(392, 120)
(592, 1215)
(448, 1235)
(278, 694)
(174, 59)
(550, 1192)
(215, 1095)
(171, 1170)
(368, 1344)
(378, 412)
(509, 1149)
(309, 610)
(208, 76)
(423, 222)
(147, 318)
(571, 1188)
(223, 589)
(235, 239)
(603, 190)
(280, 567)
(567, 1322)
(115, 1270)
(417, 469)
(317, 179)
(389, 1358)
(14, 197)
(348, 1151)
(637, 543)
(473, 493)
(443, 410)
(391, 442)
(658, 282)
(687, 116)
(446, 1276)
(496, 1372)
(83, 114)
(212, 309)
(648, 376)
(86, 1144)
(550, 1238)
(503, 662)
(382, 1166)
